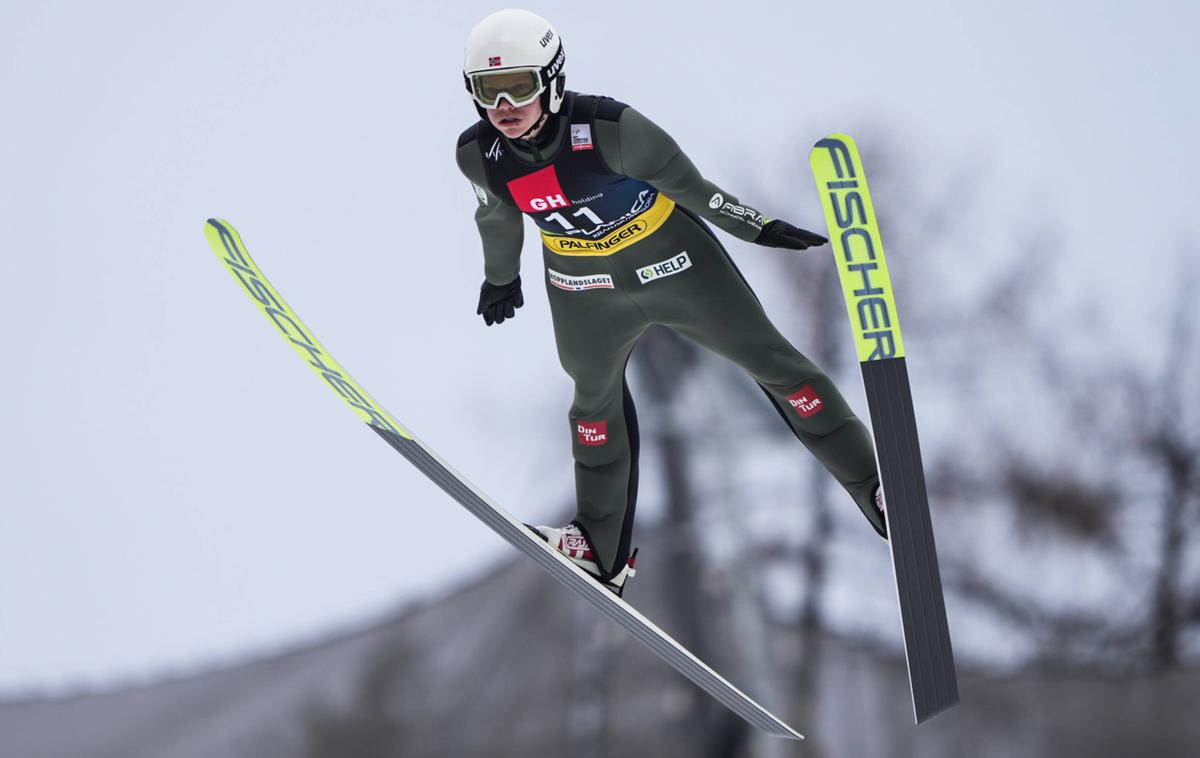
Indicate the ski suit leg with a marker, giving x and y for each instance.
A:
(710, 303)
(595, 331)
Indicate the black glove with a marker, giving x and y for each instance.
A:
(499, 303)
(782, 234)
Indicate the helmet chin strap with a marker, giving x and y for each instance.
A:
(535, 126)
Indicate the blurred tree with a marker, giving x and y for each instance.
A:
(1168, 436)
(991, 359)
(1129, 446)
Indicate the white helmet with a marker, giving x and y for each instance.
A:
(516, 55)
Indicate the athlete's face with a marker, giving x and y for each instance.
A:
(512, 121)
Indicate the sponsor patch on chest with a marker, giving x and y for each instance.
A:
(669, 267)
(539, 191)
(580, 283)
(581, 136)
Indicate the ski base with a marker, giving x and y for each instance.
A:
(910, 532)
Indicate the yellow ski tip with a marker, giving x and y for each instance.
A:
(227, 244)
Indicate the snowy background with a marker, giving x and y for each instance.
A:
(178, 492)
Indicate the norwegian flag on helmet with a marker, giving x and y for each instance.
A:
(494, 61)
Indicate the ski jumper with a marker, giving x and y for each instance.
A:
(619, 209)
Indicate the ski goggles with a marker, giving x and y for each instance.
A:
(519, 87)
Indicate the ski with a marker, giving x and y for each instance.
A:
(227, 244)
(858, 249)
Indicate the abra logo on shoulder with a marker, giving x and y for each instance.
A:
(581, 136)
(740, 212)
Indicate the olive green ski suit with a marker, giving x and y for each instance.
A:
(650, 259)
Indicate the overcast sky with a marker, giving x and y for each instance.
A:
(178, 490)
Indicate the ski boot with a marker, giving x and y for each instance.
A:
(878, 517)
(573, 543)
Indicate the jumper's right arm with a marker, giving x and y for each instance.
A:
(501, 228)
